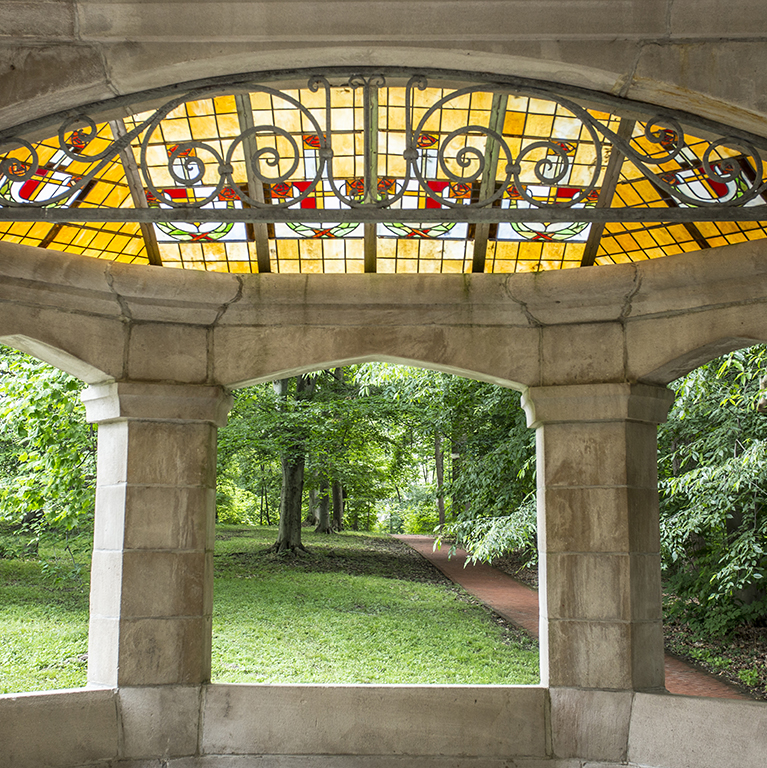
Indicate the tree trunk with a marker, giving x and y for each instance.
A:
(338, 506)
(311, 515)
(457, 446)
(293, 463)
(289, 537)
(323, 517)
(439, 462)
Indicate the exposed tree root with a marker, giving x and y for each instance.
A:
(285, 549)
(324, 529)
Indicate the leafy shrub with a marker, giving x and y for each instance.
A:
(713, 494)
(489, 537)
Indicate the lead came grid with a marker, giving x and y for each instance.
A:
(631, 242)
(319, 247)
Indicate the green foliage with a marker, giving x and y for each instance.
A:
(43, 613)
(342, 431)
(487, 538)
(416, 512)
(713, 490)
(488, 451)
(235, 505)
(749, 676)
(47, 451)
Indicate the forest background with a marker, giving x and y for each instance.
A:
(391, 449)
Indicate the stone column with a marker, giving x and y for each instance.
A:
(599, 543)
(152, 573)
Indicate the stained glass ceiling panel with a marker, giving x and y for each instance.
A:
(279, 178)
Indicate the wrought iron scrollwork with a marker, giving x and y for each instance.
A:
(462, 156)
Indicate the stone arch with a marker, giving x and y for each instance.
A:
(694, 358)
(670, 54)
(393, 359)
(56, 357)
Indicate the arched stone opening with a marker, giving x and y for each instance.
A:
(593, 351)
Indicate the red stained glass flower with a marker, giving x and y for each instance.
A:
(426, 140)
(355, 187)
(283, 189)
(227, 193)
(78, 140)
(670, 178)
(460, 190)
(566, 146)
(312, 140)
(668, 139)
(17, 168)
(386, 185)
(188, 152)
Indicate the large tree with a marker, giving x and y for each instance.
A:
(294, 438)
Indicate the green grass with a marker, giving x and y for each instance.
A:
(357, 609)
(351, 612)
(43, 628)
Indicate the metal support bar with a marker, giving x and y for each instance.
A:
(607, 192)
(138, 196)
(492, 152)
(370, 102)
(400, 215)
(255, 188)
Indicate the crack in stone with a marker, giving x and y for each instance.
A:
(531, 319)
(124, 307)
(127, 319)
(626, 309)
(631, 74)
(669, 10)
(225, 306)
(210, 341)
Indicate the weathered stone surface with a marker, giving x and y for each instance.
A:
(260, 21)
(596, 403)
(42, 78)
(159, 721)
(58, 730)
(152, 571)
(716, 78)
(165, 352)
(572, 354)
(592, 725)
(685, 732)
(147, 402)
(584, 520)
(390, 720)
(172, 296)
(665, 348)
(357, 761)
(248, 355)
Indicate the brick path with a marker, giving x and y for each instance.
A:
(518, 603)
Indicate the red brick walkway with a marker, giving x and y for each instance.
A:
(518, 603)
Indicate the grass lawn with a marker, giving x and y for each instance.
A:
(357, 609)
(43, 618)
